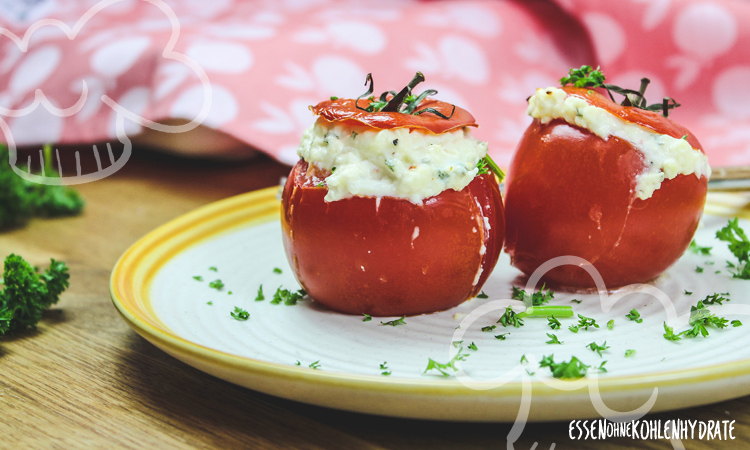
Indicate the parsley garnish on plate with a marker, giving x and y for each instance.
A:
(287, 297)
(489, 328)
(739, 245)
(572, 369)
(583, 322)
(386, 371)
(698, 250)
(553, 339)
(366, 318)
(198, 278)
(450, 365)
(315, 365)
(536, 299)
(510, 318)
(240, 314)
(260, 297)
(594, 347)
(396, 322)
(276, 270)
(634, 315)
(216, 284)
(553, 322)
(700, 318)
(26, 294)
(629, 352)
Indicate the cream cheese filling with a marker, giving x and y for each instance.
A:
(412, 165)
(665, 156)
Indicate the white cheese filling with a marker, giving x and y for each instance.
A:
(394, 163)
(665, 156)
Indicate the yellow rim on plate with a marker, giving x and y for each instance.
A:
(135, 270)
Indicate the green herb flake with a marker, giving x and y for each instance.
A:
(473, 346)
(240, 314)
(699, 269)
(553, 339)
(286, 296)
(213, 269)
(699, 250)
(583, 322)
(198, 278)
(611, 324)
(553, 322)
(209, 303)
(366, 318)
(482, 295)
(575, 300)
(634, 315)
(572, 369)
(736, 323)
(594, 347)
(396, 322)
(536, 299)
(385, 370)
(688, 292)
(216, 284)
(276, 270)
(260, 297)
(510, 318)
(629, 352)
(501, 337)
(523, 359)
(489, 328)
(314, 365)
(450, 365)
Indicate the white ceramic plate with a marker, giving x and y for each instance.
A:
(310, 354)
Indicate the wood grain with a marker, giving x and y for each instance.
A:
(84, 379)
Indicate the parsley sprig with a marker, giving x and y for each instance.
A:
(450, 365)
(700, 319)
(26, 294)
(739, 245)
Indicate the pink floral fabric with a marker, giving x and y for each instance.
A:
(267, 61)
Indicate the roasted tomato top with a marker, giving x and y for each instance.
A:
(355, 111)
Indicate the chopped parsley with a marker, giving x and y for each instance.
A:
(536, 299)
(482, 295)
(276, 270)
(629, 352)
(209, 303)
(698, 250)
(396, 322)
(572, 369)
(575, 300)
(700, 318)
(611, 324)
(213, 269)
(553, 339)
(634, 315)
(473, 346)
(688, 292)
(216, 284)
(553, 322)
(583, 322)
(450, 365)
(739, 245)
(260, 297)
(715, 298)
(385, 370)
(366, 318)
(240, 314)
(736, 323)
(501, 337)
(198, 278)
(510, 318)
(287, 297)
(315, 365)
(489, 328)
(699, 269)
(594, 347)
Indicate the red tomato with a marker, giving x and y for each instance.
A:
(571, 193)
(388, 256)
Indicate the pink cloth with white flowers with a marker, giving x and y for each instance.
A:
(263, 62)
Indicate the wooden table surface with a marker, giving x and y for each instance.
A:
(84, 379)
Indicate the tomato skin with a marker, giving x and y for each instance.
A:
(390, 257)
(571, 193)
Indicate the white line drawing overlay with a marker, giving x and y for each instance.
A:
(40, 99)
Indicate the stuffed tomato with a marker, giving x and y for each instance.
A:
(619, 185)
(391, 209)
